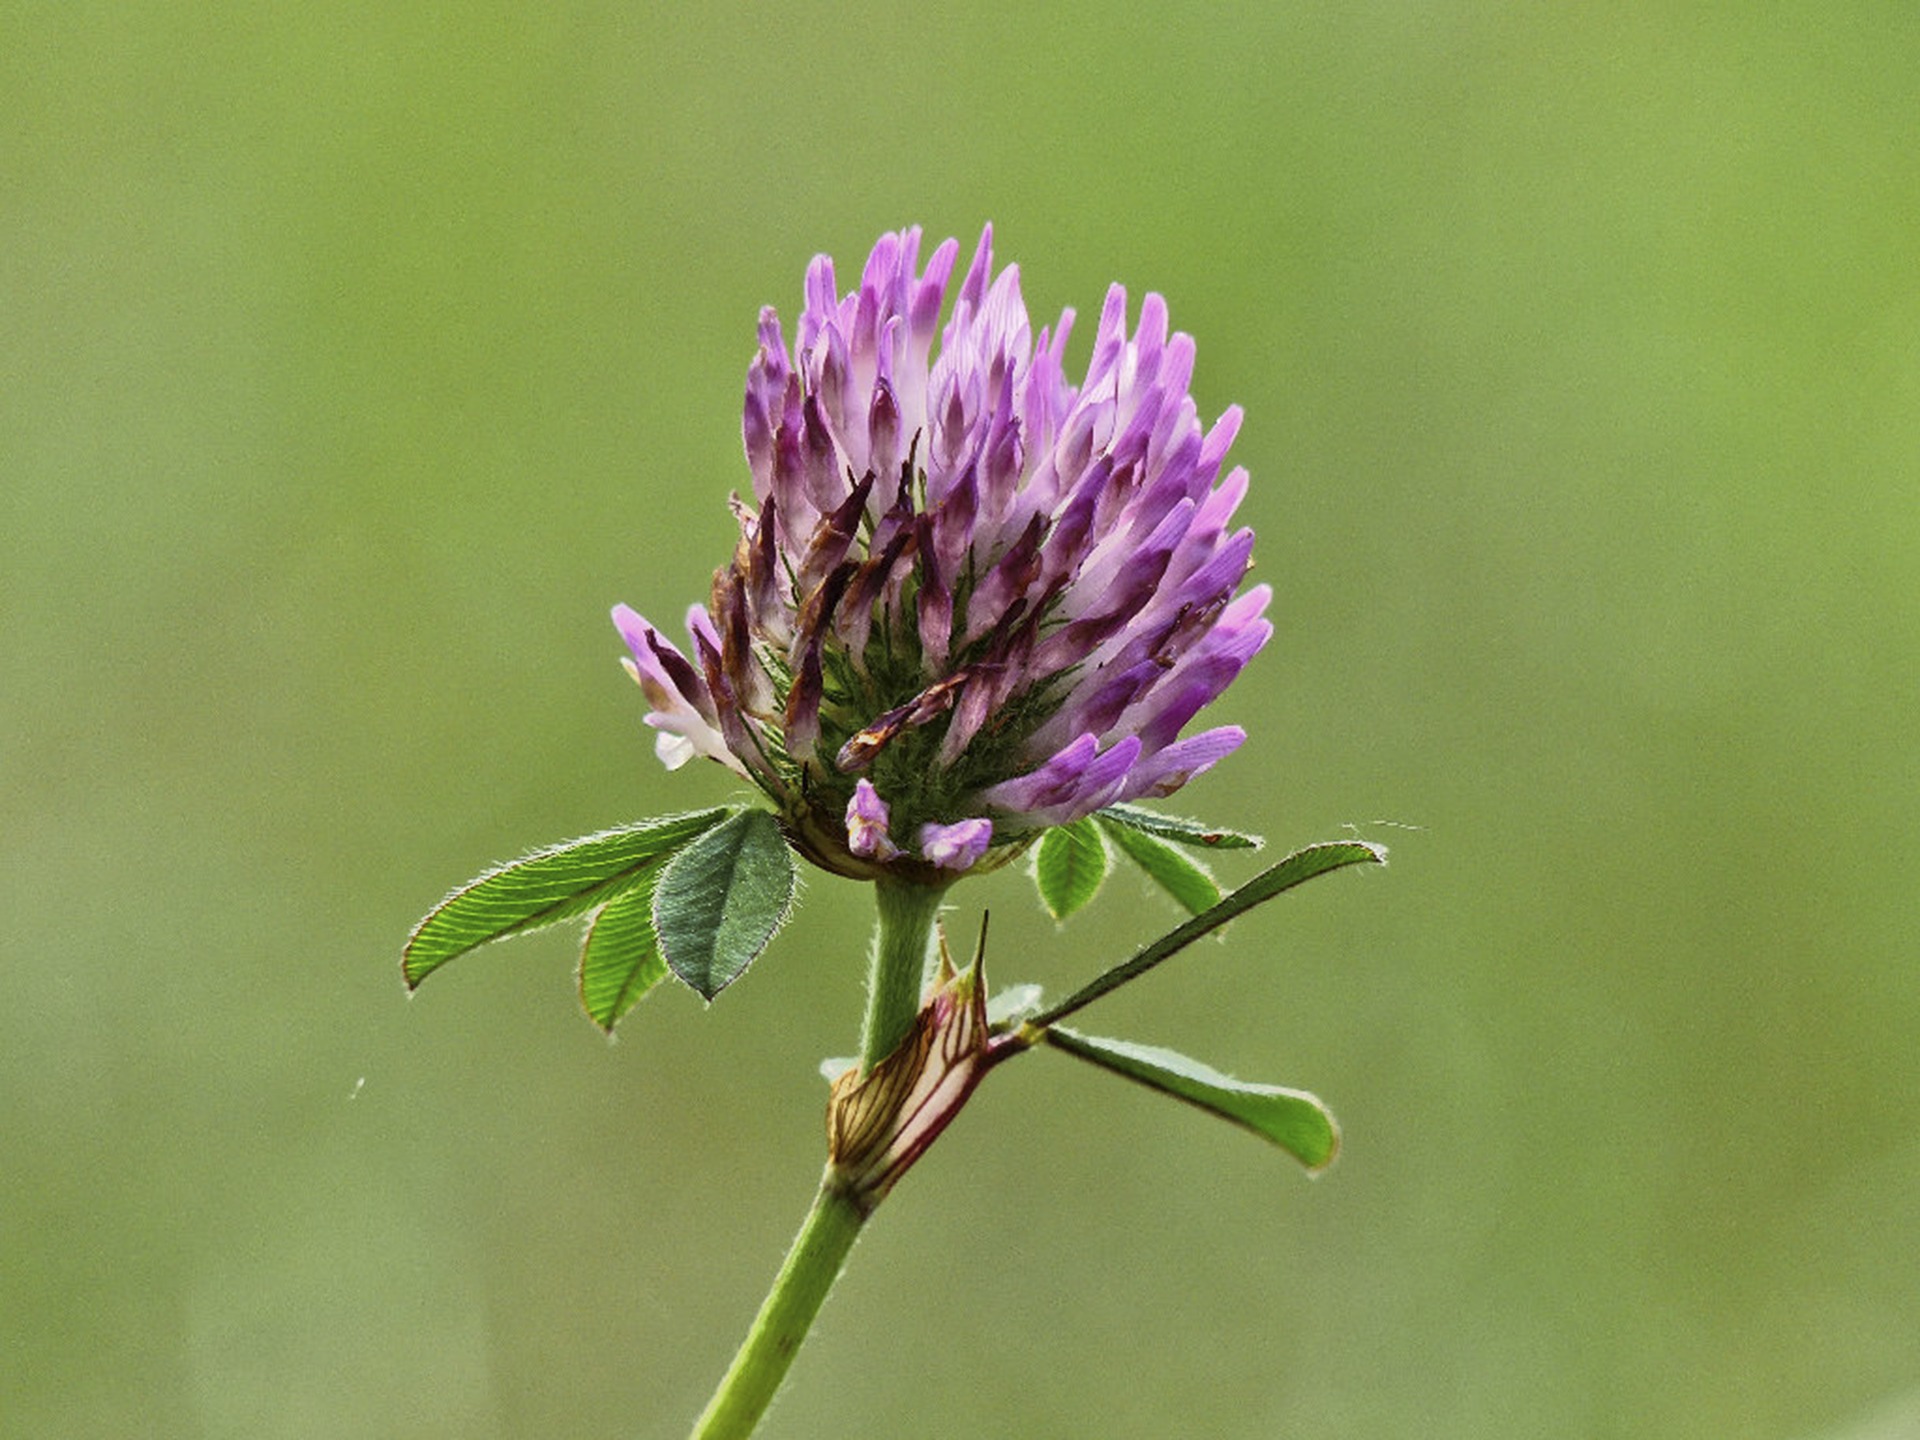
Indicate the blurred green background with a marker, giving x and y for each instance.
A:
(354, 359)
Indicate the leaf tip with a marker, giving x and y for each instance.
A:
(1316, 1168)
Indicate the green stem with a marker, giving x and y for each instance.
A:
(820, 1250)
(899, 964)
(812, 1265)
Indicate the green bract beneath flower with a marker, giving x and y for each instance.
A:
(970, 601)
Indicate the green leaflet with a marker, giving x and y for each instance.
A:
(718, 901)
(1068, 865)
(546, 887)
(1292, 1119)
(1296, 869)
(620, 959)
(1179, 829)
(1180, 876)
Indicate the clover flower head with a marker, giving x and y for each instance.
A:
(970, 600)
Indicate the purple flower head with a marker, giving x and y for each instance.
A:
(970, 600)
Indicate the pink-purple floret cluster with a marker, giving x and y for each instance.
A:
(971, 600)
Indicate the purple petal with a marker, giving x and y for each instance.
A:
(873, 300)
(1102, 706)
(970, 712)
(822, 302)
(842, 409)
(1098, 788)
(1197, 681)
(1219, 438)
(885, 445)
(953, 520)
(831, 539)
(1149, 337)
(1075, 782)
(822, 467)
(1007, 583)
(1176, 366)
(765, 401)
(974, 287)
(1036, 787)
(1126, 593)
(682, 706)
(1046, 397)
(801, 725)
(791, 478)
(927, 296)
(1109, 341)
(934, 613)
(1125, 570)
(668, 677)
(867, 821)
(958, 846)
(1167, 771)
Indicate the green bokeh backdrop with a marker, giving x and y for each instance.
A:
(354, 359)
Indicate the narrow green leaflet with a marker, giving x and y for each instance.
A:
(1292, 1119)
(620, 960)
(718, 902)
(1296, 869)
(543, 888)
(1068, 865)
(1183, 878)
(1179, 829)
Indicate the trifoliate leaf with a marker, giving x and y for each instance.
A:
(620, 959)
(1179, 829)
(1068, 865)
(543, 888)
(1292, 1119)
(1183, 878)
(718, 902)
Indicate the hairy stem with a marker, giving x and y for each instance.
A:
(812, 1265)
(900, 951)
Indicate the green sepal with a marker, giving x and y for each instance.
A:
(620, 959)
(1292, 1119)
(1183, 878)
(1068, 865)
(550, 885)
(1179, 829)
(719, 901)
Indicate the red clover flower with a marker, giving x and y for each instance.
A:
(970, 600)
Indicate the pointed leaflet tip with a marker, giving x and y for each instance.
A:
(1179, 829)
(550, 885)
